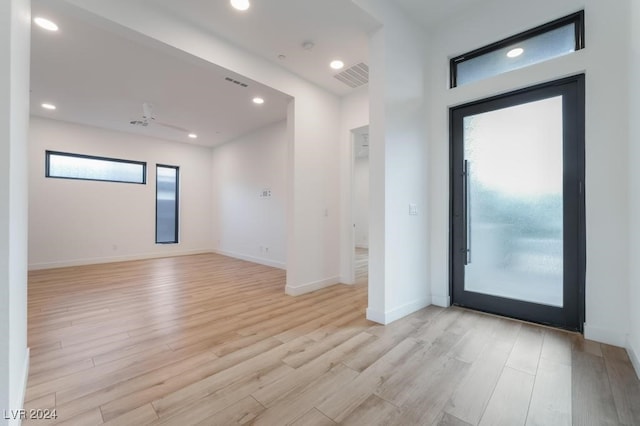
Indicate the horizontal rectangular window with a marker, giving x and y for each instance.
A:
(554, 39)
(86, 167)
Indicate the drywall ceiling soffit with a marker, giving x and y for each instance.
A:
(338, 29)
(101, 78)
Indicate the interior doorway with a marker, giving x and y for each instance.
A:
(360, 203)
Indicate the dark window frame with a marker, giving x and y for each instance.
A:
(47, 171)
(177, 207)
(575, 18)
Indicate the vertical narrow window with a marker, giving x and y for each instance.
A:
(166, 204)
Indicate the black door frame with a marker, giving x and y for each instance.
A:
(572, 315)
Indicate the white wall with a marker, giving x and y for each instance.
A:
(398, 243)
(607, 315)
(15, 18)
(354, 114)
(73, 222)
(361, 201)
(633, 345)
(313, 225)
(245, 224)
(313, 218)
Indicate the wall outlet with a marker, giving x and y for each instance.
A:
(413, 209)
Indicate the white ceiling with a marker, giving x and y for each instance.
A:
(338, 28)
(432, 13)
(101, 78)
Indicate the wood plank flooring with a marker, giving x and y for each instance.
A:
(210, 340)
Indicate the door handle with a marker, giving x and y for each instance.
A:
(466, 211)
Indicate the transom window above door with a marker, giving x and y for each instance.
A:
(551, 40)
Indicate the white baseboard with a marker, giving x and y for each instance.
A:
(99, 260)
(602, 335)
(633, 356)
(443, 301)
(375, 316)
(253, 259)
(309, 287)
(395, 314)
(18, 403)
(404, 310)
(346, 281)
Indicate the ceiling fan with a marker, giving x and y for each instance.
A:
(148, 118)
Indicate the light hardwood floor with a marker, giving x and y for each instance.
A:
(211, 340)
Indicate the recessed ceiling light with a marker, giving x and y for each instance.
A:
(514, 53)
(48, 106)
(193, 136)
(258, 101)
(45, 23)
(337, 64)
(240, 4)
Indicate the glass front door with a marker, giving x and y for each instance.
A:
(517, 223)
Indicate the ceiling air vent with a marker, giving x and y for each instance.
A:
(239, 83)
(356, 76)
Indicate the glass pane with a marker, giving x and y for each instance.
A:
(74, 167)
(515, 202)
(166, 204)
(540, 48)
